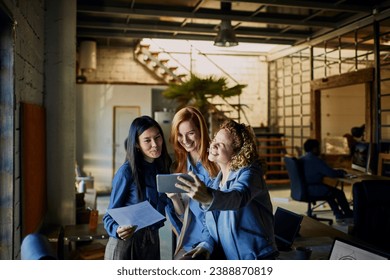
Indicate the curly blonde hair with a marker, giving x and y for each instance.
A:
(244, 144)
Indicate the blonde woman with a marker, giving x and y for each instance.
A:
(239, 211)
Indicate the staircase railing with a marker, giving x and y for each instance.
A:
(160, 68)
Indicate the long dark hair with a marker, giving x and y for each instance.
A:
(134, 155)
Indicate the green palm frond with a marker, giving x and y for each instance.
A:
(197, 91)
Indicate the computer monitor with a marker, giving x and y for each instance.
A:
(361, 155)
(347, 250)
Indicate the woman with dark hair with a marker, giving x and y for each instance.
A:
(239, 211)
(190, 140)
(134, 182)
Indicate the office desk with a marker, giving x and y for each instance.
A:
(313, 228)
(316, 236)
(83, 233)
(340, 182)
(82, 243)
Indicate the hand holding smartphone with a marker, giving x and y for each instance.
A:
(166, 182)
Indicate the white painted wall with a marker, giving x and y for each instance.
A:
(94, 128)
(117, 65)
(248, 70)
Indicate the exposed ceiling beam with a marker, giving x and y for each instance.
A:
(330, 35)
(286, 22)
(204, 29)
(152, 34)
(319, 5)
(162, 11)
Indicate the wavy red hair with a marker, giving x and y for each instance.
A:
(194, 116)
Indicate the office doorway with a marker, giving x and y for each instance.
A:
(365, 77)
(341, 109)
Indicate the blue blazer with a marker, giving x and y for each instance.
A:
(240, 216)
(124, 193)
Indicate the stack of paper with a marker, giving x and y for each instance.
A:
(141, 214)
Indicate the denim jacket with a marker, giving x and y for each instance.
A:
(124, 193)
(240, 216)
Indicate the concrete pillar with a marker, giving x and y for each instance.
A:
(59, 94)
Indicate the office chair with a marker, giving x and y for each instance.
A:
(36, 246)
(371, 207)
(299, 188)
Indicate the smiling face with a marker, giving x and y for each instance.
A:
(189, 138)
(221, 149)
(150, 144)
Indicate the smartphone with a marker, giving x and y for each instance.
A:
(166, 182)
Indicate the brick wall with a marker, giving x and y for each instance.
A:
(23, 38)
(117, 65)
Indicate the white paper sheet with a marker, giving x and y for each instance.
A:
(141, 214)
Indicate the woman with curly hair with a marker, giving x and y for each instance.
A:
(239, 211)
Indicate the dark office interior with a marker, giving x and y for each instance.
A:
(328, 72)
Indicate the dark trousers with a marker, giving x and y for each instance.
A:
(335, 197)
(144, 245)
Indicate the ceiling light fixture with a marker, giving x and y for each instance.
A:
(226, 36)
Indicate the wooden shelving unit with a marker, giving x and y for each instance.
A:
(273, 148)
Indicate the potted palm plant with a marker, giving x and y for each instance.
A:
(199, 92)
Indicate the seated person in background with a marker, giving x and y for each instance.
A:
(315, 169)
(357, 134)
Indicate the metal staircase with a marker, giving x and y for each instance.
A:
(159, 63)
(164, 66)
